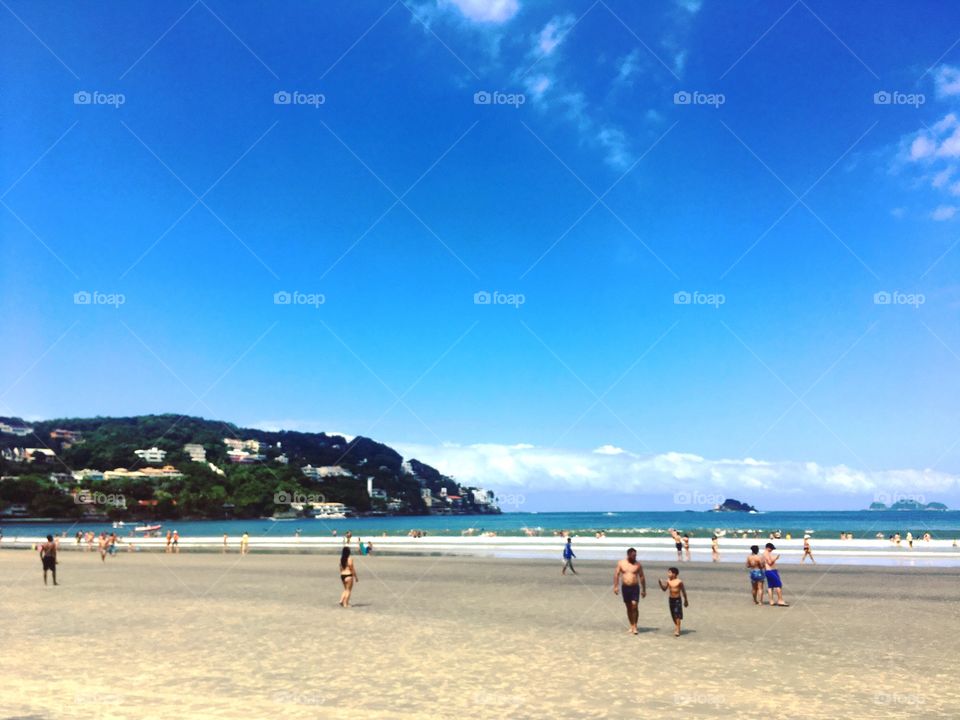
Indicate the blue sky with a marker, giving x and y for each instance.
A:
(148, 159)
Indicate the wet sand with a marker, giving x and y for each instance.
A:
(149, 635)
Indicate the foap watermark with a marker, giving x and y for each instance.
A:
(901, 699)
(511, 500)
(484, 297)
(96, 698)
(884, 297)
(86, 497)
(895, 97)
(85, 297)
(283, 297)
(715, 300)
(888, 498)
(694, 497)
(695, 97)
(484, 97)
(95, 97)
(295, 97)
(698, 698)
(297, 498)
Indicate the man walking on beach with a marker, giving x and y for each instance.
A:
(568, 557)
(634, 586)
(48, 556)
(773, 576)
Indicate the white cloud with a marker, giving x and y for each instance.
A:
(947, 81)
(691, 6)
(922, 147)
(537, 86)
(942, 177)
(944, 212)
(543, 469)
(553, 33)
(679, 61)
(614, 141)
(628, 67)
(898, 212)
(484, 11)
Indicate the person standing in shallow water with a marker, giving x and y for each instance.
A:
(48, 556)
(634, 587)
(348, 576)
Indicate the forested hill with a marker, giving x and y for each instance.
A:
(243, 472)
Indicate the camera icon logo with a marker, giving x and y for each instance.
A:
(681, 298)
(481, 298)
(282, 498)
(682, 98)
(482, 97)
(282, 97)
(882, 98)
(882, 298)
(282, 297)
(82, 97)
(81, 298)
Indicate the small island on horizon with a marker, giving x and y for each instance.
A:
(731, 505)
(908, 504)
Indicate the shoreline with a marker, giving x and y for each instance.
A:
(933, 553)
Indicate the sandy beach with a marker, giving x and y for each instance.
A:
(148, 635)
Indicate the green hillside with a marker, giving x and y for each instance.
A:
(44, 482)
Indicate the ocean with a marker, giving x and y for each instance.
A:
(821, 525)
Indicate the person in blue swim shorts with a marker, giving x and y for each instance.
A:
(774, 584)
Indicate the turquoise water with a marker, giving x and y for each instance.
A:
(863, 524)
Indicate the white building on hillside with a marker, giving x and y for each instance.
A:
(197, 452)
(153, 455)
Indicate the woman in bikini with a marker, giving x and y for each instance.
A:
(348, 576)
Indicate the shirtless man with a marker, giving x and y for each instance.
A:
(755, 567)
(48, 556)
(634, 586)
(678, 541)
(773, 576)
(102, 546)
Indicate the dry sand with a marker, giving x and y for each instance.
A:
(207, 635)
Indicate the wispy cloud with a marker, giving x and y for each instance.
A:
(552, 34)
(612, 469)
(944, 212)
(947, 81)
(483, 11)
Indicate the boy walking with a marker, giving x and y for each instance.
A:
(568, 557)
(677, 598)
